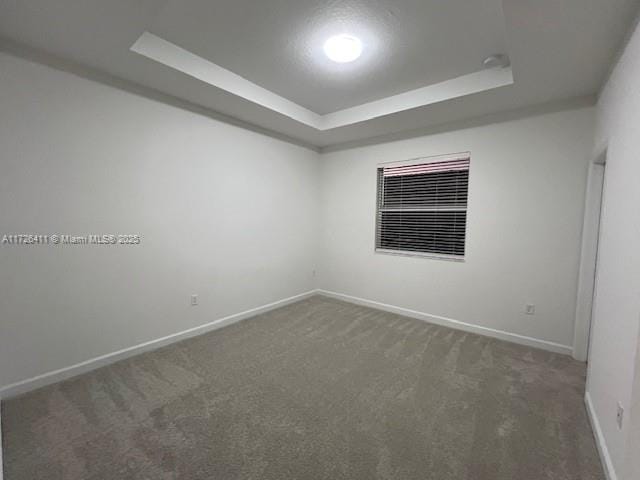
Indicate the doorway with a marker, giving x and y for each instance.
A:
(587, 281)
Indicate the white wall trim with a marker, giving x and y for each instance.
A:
(54, 376)
(607, 463)
(456, 324)
(163, 51)
(64, 64)
(588, 259)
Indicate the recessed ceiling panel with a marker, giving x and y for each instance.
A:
(278, 45)
(559, 50)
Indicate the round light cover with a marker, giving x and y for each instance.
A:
(343, 48)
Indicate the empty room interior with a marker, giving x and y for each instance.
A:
(319, 239)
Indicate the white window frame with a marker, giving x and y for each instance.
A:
(420, 161)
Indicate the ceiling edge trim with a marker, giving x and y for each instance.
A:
(476, 82)
(171, 55)
(56, 62)
(553, 106)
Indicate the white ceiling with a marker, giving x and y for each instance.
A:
(278, 43)
(421, 66)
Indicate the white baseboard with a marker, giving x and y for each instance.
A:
(97, 362)
(456, 324)
(88, 365)
(605, 458)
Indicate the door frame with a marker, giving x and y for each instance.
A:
(587, 276)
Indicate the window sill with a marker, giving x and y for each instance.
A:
(433, 256)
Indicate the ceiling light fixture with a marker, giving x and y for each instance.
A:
(343, 48)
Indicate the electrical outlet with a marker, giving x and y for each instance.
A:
(194, 300)
(620, 415)
(530, 309)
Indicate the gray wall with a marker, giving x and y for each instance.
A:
(616, 311)
(243, 220)
(526, 197)
(224, 213)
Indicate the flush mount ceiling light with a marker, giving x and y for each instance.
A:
(343, 48)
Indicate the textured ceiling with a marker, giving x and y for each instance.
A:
(277, 44)
(559, 50)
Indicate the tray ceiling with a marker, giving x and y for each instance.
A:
(422, 64)
(277, 44)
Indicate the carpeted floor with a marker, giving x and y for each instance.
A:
(320, 389)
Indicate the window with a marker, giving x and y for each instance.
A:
(422, 207)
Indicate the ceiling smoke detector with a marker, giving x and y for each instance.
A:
(496, 61)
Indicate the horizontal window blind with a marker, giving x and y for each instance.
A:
(422, 208)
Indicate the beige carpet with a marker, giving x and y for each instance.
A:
(320, 389)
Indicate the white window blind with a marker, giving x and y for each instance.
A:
(422, 207)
